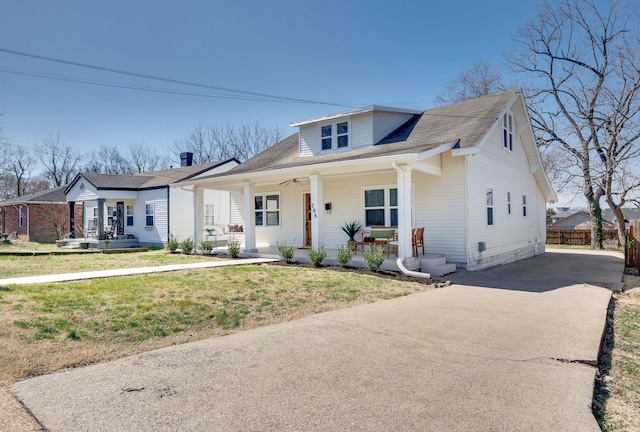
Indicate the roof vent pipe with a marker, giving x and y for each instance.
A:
(186, 159)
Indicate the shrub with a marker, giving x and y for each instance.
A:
(374, 258)
(316, 256)
(172, 243)
(286, 252)
(233, 248)
(187, 246)
(344, 255)
(206, 246)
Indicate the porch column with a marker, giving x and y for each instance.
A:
(405, 250)
(249, 207)
(198, 205)
(101, 218)
(72, 219)
(317, 211)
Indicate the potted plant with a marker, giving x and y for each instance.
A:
(351, 229)
(210, 231)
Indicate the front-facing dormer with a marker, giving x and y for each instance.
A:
(350, 130)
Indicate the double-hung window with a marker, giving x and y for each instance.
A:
(524, 205)
(334, 135)
(507, 131)
(267, 210)
(20, 217)
(149, 213)
(490, 206)
(509, 203)
(208, 214)
(129, 215)
(381, 207)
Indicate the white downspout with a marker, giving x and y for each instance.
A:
(399, 262)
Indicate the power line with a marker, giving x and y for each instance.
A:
(171, 80)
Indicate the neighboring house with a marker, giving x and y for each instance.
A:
(145, 206)
(578, 220)
(40, 217)
(627, 212)
(469, 173)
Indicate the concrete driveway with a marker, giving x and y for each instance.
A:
(461, 358)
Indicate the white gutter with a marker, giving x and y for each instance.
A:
(411, 273)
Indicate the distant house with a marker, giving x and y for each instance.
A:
(40, 217)
(469, 173)
(577, 220)
(144, 207)
(627, 212)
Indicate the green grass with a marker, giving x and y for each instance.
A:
(56, 325)
(17, 266)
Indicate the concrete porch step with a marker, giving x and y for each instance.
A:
(436, 265)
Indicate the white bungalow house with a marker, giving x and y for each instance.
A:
(469, 173)
(143, 209)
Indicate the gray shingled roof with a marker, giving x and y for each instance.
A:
(146, 180)
(54, 195)
(465, 122)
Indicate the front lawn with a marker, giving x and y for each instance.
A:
(17, 266)
(52, 326)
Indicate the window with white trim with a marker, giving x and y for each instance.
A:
(507, 131)
(381, 206)
(20, 217)
(509, 203)
(334, 135)
(267, 210)
(149, 213)
(208, 214)
(524, 205)
(129, 215)
(490, 206)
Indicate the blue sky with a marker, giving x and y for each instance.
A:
(398, 53)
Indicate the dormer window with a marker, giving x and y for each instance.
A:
(334, 133)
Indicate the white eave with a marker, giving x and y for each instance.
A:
(355, 111)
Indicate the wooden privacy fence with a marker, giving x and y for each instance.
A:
(632, 248)
(576, 237)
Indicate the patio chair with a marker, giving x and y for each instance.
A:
(417, 240)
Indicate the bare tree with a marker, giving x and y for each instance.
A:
(216, 142)
(480, 79)
(59, 160)
(584, 95)
(143, 158)
(21, 163)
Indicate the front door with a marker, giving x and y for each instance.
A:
(120, 218)
(307, 219)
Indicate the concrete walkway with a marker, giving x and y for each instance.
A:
(66, 277)
(461, 358)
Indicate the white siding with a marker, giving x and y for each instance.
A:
(504, 171)
(386, 122)
(361, 131)
(235, 208)
(157, 234)
(308, 140)
(182, 211)
(440, 208)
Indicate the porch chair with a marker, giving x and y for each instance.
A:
(417, 240)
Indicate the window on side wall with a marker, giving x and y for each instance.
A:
(267, 210)
(508, 203)
(129, 215)
(208, 214)
(381, 207)
(524, 205)
(507, 131)
(20, 218)
(149, 212)
(490, 206)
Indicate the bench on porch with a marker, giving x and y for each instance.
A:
(377, 236)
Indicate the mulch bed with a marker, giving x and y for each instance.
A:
(385, 274)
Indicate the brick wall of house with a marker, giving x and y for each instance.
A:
(47, 222)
